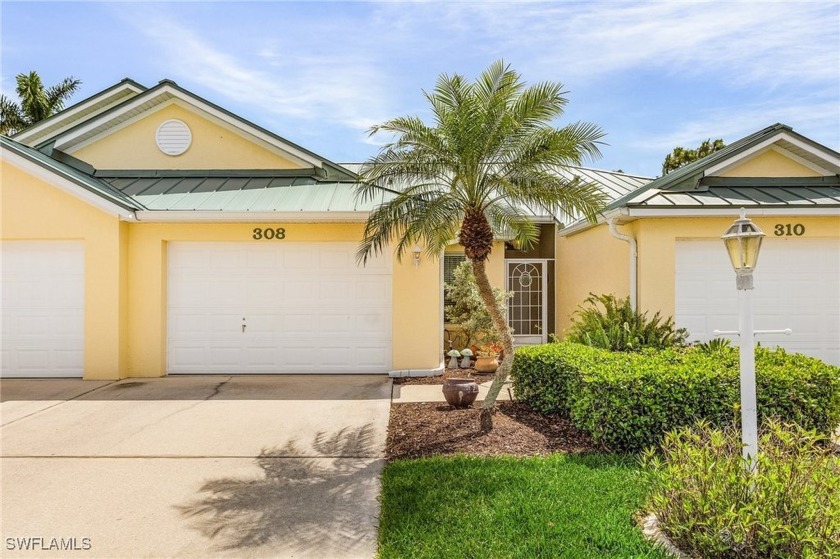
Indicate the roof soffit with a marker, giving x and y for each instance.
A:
(96, 104)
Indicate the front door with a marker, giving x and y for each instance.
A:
(528, 282)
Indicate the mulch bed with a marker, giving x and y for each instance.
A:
(448, 373)
(433, 429)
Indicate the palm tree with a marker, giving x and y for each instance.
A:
(490, 153)
(36, 102)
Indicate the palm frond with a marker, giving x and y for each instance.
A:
(57, 94)
(12, 119)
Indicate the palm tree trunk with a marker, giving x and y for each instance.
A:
(500, 323)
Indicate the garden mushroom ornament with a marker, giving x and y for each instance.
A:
(454, 354)
(465, 362)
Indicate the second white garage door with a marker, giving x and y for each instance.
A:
(277, 308)
(797, 286)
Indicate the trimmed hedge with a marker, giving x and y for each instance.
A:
(627, 401)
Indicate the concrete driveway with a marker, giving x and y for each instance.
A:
(243, 466)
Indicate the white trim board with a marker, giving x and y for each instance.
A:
(220, 216)
(69, 113)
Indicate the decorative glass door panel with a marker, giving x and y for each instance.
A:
(527, 281)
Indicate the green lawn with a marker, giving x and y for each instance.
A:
(560, 506)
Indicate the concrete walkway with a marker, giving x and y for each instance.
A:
(245, 466)
(412, 393)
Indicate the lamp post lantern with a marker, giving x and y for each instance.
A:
(743, 242)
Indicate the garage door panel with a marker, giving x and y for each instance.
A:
(42, 308)
(797, 286)
(307, 308)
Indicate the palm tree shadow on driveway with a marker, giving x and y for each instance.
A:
(305, 503)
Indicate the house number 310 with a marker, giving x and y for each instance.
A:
(788, 230)
(269, 233)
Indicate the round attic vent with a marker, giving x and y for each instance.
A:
(173, 137)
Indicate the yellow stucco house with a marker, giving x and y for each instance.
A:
(148, 231)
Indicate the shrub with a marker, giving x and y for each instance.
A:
(715, 345)
(468, 309)
(711, 506)
(620, 328)
(627, 401)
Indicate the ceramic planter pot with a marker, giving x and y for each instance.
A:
(460, 392)
(486, 364)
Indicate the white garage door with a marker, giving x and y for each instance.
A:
(277, 308)
(43, 294)
(797, 286)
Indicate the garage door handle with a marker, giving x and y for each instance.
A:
(243, 325)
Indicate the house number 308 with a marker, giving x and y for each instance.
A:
(275, 233)
(788, 230)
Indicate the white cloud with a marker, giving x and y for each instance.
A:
(773, 43)
(816, 120)
(349, 92)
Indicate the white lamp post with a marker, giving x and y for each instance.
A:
(743, 241)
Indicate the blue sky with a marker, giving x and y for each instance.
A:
(653, 75)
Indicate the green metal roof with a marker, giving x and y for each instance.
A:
(690, 178)
(72, 174)
(688, 187)
(613, 184)
(239, 191)
(751, 192)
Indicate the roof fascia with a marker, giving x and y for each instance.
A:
(732, 211)
(67, 184)
(583, 224)
(220, 216)
(126, 84)
(749, 182)
(768, 143)
(626, 215)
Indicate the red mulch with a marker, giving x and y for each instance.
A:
(432, 429)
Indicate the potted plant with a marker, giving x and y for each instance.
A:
(460, 392)
(487, 360)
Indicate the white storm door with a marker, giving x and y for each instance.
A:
(797, 286)
(43, 299)
(527, 281)
(277, 308)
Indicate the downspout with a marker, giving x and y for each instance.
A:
(634, 257)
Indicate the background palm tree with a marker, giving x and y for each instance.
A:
(490, 152)
(36, 102)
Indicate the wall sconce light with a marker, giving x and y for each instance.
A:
(416, 251)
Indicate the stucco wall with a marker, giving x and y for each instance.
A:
(34, 210)
(213, 146)
(416, 290)
(592, 261)
(769, 163)
(657, 248)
